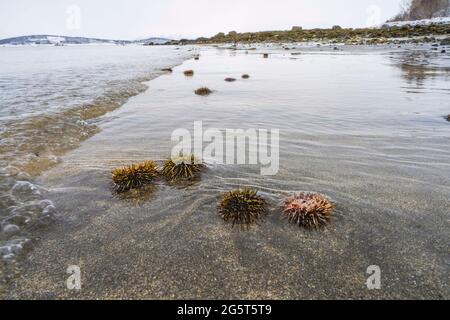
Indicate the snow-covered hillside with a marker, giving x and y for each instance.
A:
(441, 20)
(63, 40)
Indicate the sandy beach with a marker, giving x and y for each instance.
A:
(365, 128)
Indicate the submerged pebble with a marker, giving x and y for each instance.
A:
(11, 171)
(10, 230)
(25, 191)
(14, 247)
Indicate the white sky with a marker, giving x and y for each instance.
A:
(133, 19)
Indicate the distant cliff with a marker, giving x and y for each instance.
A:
(423, 9)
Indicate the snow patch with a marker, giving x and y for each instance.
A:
(424, 22)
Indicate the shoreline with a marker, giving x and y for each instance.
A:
(402, 34)
(76, 124)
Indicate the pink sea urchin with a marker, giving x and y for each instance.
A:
(309, 210)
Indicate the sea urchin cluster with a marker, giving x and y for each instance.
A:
(134, 176)
(242, 207)
(308, 210)
(182, 168)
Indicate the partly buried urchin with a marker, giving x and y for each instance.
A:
(182, 168)
(134, 176)
(204, 91)
(309, 210)
(242, 207)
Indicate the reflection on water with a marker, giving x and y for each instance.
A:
(419, 65)
(137, 197)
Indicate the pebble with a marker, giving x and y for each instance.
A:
(12, 171)
(11, 230)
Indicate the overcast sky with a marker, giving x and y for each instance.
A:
(134, 19)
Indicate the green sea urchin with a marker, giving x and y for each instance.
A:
(309, 210)
(189, 73)
(134, 176)
(242, 207)
(182, 168)
(203, 91)
(230, 79)
(245, 76)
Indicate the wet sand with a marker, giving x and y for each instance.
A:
(350, 128)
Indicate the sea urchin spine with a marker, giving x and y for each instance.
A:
(242, 207)
(309, 210)
(182, 168)
(134, 176)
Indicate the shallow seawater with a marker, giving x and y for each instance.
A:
(364, 128)
(50, 99)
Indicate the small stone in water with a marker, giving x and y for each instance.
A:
(23, 176)
(12, 171)
(11, 230)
